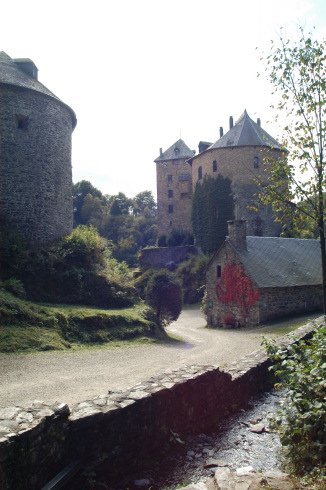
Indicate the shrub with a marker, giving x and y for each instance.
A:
(191, 275)
(14, 286)
(164, 295)
(179, 237)
(301, 421)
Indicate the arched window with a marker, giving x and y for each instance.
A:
(200, 173)
(215, 166)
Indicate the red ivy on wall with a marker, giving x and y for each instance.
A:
(236, 288)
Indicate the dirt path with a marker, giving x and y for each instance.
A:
(72, 376)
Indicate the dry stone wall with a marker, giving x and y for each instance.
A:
(38, 440)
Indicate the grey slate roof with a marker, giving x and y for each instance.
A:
(246, 132)
(11, 74)
(282, 262)
(178, 150)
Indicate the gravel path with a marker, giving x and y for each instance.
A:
(73, 376)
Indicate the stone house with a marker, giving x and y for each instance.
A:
(253, 279)
(238, 154)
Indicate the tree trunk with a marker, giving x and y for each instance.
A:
(323, 265)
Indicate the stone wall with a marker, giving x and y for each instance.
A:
(279, 302)
(160, 256)
(35, 165)
(38, 440)
(174, 196)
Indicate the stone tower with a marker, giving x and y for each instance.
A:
(239, 155)
(174, 189)
(35, 155)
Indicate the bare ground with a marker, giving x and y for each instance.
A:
(73, 376)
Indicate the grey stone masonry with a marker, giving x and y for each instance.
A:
(35, 158)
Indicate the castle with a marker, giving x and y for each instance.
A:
(238, 155)
(35, 155)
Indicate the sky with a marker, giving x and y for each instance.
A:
(140, 74)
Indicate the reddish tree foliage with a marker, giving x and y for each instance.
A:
(236, 288)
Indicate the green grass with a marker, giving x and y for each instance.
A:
(27, 326)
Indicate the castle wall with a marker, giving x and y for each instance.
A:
(35, 165)
(242, 165)
(174, 188)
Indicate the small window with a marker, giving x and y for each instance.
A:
(200, 173)
(169, 179)
(215, 166)
(218, 271)
(170, 193)
(170, 208)
(256, 162)
(22, 122)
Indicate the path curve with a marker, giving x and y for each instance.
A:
(72, 376)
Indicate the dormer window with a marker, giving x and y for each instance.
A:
(176, 151)
(21, 122)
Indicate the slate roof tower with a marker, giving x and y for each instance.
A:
(35, 155)
(174, 189)
(239, 155)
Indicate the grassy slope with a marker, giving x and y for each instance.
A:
(26, 326)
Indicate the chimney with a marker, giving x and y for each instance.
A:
(221, 131)
(258, 121)
(203, 145)
(231, 122)
(161, 152)
(237, 233)
(27, 66)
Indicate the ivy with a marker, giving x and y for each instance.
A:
(212, 207)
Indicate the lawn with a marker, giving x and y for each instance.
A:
(27, 326)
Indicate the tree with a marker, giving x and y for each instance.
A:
(163, 293)
(297, 183)
(212, 207)
(144, 204)
(82, 209)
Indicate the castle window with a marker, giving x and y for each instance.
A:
(256, 162)
(22, 122)
(200, 173)
(170, 208)
(169, 179)
(170, 193)
(218, 271)
(184, 177)
(215, 166)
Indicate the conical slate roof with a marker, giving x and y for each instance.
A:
(11, 74)
(246, 132)
(178, 150)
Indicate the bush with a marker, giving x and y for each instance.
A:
(179, 237)
(164, 295)
(14, 286)
(191, 274)
(301, 420)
